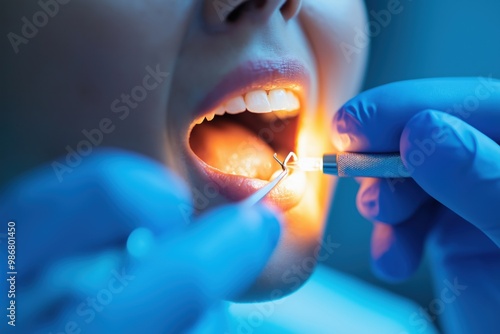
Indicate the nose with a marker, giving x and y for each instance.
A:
(220, 14)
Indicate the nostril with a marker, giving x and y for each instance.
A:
(238, 12)
(246, 5)
(290, 8)
(260, 3)
(286, 7)
(234, 10)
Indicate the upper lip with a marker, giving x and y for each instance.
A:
(256, 75)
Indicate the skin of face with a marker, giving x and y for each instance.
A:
(83, 63)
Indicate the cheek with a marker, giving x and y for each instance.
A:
(114, 32)
(125, 36)
(69, 74)
(331, 27)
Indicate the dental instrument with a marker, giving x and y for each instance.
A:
(381, 165)
(260, 194)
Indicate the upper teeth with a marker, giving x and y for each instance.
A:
(282, 101)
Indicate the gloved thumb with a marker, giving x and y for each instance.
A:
(457, 165)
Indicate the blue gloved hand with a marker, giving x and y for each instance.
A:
(74, 272)
(447, 131)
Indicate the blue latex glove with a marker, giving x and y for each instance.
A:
(74, 272)
(447, 131)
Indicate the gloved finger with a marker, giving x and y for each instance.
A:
(466, 271)
(178, 280)
(392, 201)
(374, 120)
(397, 250)
(96, 205)
(464, 171)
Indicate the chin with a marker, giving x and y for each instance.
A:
(261, 108)
(295, 257)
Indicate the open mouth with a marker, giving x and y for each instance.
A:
(234, 142)
(240, 137)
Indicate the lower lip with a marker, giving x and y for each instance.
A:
(285, 196)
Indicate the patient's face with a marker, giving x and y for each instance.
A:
(210, 88)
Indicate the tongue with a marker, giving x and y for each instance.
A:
(233, 149)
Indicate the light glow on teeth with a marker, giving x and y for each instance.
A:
(220, 111)
(281, 114)
(258, 102)
(275, 103)
(279, 99)
(235, 105)
(293, 102)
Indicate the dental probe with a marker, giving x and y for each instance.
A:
(380, 165)
(260, 194)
